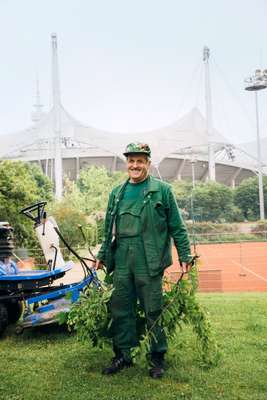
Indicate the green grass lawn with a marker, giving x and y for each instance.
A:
(51, 364)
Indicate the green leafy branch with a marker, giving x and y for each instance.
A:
(181, 307)
(90, 316)
(91, 319)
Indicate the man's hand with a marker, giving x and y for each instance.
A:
(98, 264)
(185, 267)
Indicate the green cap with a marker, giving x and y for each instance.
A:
(137, 148)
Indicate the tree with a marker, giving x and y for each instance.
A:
(246, 197)
(213, 201)
(183, 192)
(44, 184)
(94, 186)
(84, 203)
(21, 184)
(68, 219)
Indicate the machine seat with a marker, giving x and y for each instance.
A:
(33, 278)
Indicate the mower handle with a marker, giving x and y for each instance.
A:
(29, 211)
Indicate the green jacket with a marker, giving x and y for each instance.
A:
(160, 221)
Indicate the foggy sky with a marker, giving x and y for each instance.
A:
(134, 65)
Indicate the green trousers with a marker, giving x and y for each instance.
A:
(133, 284)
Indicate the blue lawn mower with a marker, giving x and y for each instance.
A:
(32, 297)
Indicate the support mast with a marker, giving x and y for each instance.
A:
(212, 173)
(56, 119)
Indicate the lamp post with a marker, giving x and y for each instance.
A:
(212, 169)
(254, 83)
(193, 161)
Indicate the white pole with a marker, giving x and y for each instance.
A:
(212, 172)
(261, 195)
(57, 119)
(193, 160)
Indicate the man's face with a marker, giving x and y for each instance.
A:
(137, 167)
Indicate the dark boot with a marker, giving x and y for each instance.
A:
(157, 365)
(117, 364)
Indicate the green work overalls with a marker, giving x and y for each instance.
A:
(131, 280)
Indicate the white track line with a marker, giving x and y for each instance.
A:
(249, 270)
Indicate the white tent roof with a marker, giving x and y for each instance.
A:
(188, 134)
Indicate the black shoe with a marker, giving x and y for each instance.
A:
(156, 372)
(157, 366)
(117, 364)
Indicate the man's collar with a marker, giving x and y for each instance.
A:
(153, 185)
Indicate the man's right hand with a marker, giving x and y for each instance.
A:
(98, 264)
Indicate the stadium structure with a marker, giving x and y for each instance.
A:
(190, 148)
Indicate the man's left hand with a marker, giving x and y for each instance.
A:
(185, 267)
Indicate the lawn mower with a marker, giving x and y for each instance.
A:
(32, 297)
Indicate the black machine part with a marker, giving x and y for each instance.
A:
(6, 240)
(14, 309)
(3, 317)
(10, 312)
(35, 212)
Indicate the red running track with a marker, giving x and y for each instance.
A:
(229, 267)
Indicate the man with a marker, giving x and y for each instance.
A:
(142, 217)
(7, 266)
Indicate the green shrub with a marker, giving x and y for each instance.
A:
(21, 184)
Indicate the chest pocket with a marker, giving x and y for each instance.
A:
(160, 209)
(129, 220)
(128, 225)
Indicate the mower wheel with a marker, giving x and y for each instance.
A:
(3, 317)
(19, 330)
(14, 310)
